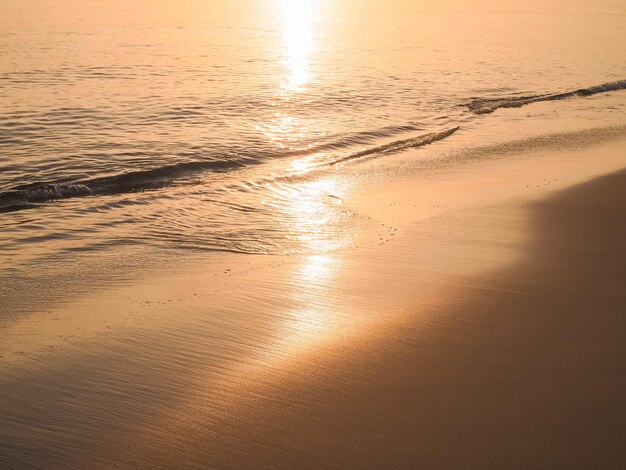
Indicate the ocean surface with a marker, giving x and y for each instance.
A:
(226, 125)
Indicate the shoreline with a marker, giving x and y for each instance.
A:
(319, 359)
(49, 284)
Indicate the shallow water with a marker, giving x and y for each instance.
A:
(235, 126)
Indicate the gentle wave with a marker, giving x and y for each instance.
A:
(28, 196)
(489, 105)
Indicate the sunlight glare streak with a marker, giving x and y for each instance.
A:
(315, 215)
(297, 41)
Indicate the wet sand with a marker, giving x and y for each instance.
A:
(486, 336)
(519, 368)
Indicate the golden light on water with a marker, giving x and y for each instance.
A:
(305, 164)
(311, 210)
(283, 131)
(297, 41)
(314, 210)
(294, 50)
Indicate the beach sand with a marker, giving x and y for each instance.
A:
(482, 326)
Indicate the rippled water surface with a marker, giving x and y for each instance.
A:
(234, 125)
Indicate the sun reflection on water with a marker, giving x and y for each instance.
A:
(310, 211)
(284, 131)
(316, 217)
(306, 164)
(297, 39)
